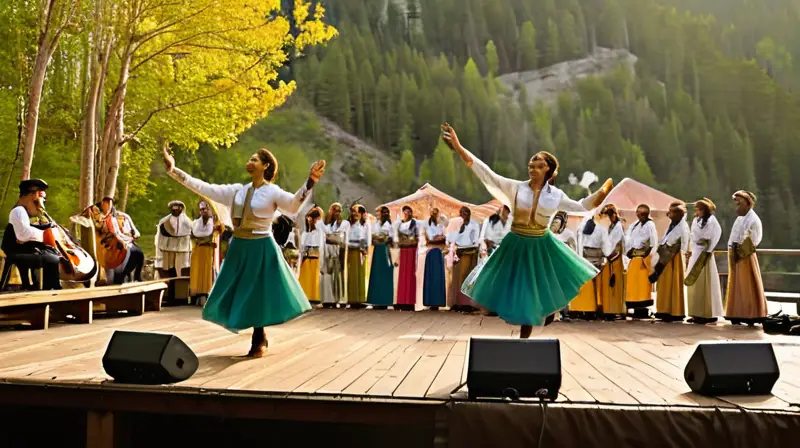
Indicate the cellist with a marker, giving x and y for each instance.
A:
(28, 238)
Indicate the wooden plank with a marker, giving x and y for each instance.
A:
(68, 295)
(38, 316)
(99, 429)
(153, 299)
(81, 311)
(133, 303)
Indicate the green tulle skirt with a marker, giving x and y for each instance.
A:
(528, 278)
(255, 288)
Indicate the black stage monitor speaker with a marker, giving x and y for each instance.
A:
(148, 358)
(514, 368)
(732, 368)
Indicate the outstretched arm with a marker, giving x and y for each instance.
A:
(587, 203)
(291, 204)
(219, 193)
(501, 188)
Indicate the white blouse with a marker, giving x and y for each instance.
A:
(639, 235)
(470, 237)
(201, 230)
(386, 229)
(495, 232)
(712, 232)
(616, 235)
(744, 226)
(519, 195)
(598, 239)
(21, 222)
(314, 238)
(266, 200)
(679, 233)
(359, 235)
(435, 230)
(404, 227)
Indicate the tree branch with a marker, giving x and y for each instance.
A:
(170, 106)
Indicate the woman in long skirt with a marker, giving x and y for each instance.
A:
(312, 243)
(703, 290)
(358, 238)
(612, 277)
(531, 275)
(465, 246)
(380, 293)
(255, 287)
(332, 281)
(407, 240)
(434, 290)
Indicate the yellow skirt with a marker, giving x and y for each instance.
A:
(670, 296)
(637, 286)
(588, 299)
(356, 277)
(201, 273)
(309, 278)
(613, 296)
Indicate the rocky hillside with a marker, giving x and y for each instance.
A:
(545, 84)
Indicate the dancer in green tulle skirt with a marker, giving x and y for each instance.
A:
(531, 275)
(255, 287)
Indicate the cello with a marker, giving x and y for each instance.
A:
(76, 263)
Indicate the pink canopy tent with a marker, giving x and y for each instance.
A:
(626, 196)
(428, 197)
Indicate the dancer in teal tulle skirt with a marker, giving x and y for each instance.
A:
(255, 287)
(531, 275)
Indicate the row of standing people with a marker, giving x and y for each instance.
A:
(680, 265)
(410, 258)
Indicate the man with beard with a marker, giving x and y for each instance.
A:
(745, 301)
(28, 240)
(174, 242)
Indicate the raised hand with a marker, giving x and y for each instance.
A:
(317, 171)
(449, 136)
(169, 161)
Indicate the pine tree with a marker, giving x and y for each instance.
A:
(334, 97)
(527, 54)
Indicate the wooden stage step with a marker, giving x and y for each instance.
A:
(39, 308)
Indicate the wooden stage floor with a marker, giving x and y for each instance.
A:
(395, 354)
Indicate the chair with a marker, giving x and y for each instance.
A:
(34, 261)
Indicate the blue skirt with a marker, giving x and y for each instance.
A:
(381, 277)
(528, 278)
(434, 291)
(255, 288)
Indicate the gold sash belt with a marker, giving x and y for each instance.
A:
(311, 253)
(639, 253)
(697, 269)
(529, 231)
(744, 250)
(247, 234)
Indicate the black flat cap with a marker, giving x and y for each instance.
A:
(31, 185)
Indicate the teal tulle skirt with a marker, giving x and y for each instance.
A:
(528, 278)
(255, 288)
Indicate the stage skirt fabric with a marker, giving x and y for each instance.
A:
(638, 289)
(356, 276)
(704, 297)
(588, 299)
(613, 296)
(670, 295)
(255, 288)
(467, 261)
(434, 291)
(309, 278)
(381, 277)
(528, 278)
(407, 281)
(201, 274)
(332, 280)
(745, 297)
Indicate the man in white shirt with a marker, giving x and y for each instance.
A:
(174, 242)
(28, 239)
(745, 301)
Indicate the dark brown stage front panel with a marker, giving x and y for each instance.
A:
(510, 425)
